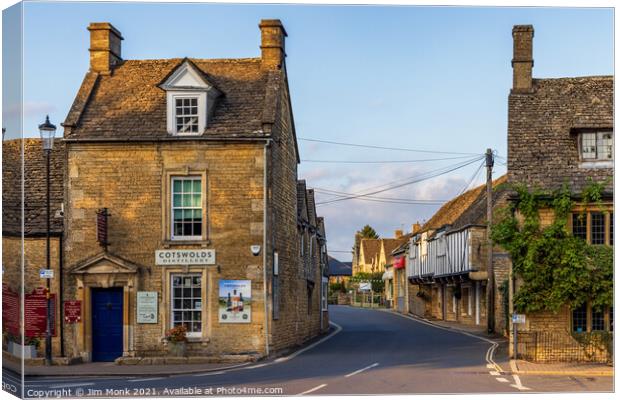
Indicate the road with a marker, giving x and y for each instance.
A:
(374, 352)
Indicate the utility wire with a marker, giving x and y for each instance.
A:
(344, 194)
(382, 147)
(478, 157)
(382, 162)
(419, 179)
(473, 177)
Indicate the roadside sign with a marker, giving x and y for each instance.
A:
(46, 273)
(73, 311)
(518, 318)
(365, 286)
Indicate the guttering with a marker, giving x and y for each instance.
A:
(129, 139)
(265, 248)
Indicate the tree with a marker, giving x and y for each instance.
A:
(367, 232)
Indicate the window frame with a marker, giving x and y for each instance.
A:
(598, 133)
(172, 208)
(586, 212)
(166, 203)
(203, 309)
(172, 96)
(607, 319)
(176, 116)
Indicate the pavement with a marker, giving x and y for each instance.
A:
(369, 352)
(523, 367)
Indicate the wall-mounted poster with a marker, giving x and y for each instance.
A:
(147, 308)
(235, 301)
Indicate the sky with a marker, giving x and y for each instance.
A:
(424, 78)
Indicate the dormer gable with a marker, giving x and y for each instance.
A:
(190, 99)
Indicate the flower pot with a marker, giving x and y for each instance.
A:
(177, 349)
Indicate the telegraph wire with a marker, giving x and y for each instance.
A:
(344, 194)
(383, 147)
(384, 161)
(473, 178)
(419, 179)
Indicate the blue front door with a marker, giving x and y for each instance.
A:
(107, 312)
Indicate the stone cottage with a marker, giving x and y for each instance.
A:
(560, 132)
(180, 208)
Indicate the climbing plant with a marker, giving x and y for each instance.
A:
(556, 268)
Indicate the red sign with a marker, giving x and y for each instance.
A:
(73, 311)
(10, 310)
(102, 226)
(399, 262)
(35, 313)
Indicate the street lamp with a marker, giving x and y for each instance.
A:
(48, 131)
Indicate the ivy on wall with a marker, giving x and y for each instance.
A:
(556, 268)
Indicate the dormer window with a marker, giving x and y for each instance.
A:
(190, 99)
(186, 114)
(597, 146)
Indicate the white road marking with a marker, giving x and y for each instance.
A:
(490, 366)
(503, 380)
(490, 350)
(495, 373)
(211, 373)
(72, 385)
(256, 366)
(318, 342)
(361, 370)
(518, 384)
(314, 389)
(145, 379)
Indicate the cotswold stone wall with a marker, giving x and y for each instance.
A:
(130, 180)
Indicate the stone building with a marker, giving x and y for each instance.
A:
(446, 262)
(195, 163)
(560, 131)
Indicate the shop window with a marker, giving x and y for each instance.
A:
(187, 208)
(187, 302)
(580, 319)
(597, 228)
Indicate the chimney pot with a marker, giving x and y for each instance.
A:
(522, 61)
(273, 36)
(105, 47)
(398, 233)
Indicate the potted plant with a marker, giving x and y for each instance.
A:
(29, 347)
(177, 341)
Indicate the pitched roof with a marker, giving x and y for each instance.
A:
(302, 200)
(389, 245)
(476, 213)
(371, 248)
(338, 268)
(35, 195)
(128, 104)
(453, 209)
(311, 207)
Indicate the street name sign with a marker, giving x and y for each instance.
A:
(46, 273)
(518, 318)
(185, 257)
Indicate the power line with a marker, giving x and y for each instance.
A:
(383, 161)
(473, 178)
(383, 148)
(344, 194)
(419, 179)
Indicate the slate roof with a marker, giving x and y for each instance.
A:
(339, 268)
(34, 223)
(371, 248)
(453, 209)
(128, 104)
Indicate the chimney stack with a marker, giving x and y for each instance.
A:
(398, 233)
(105, 47)
(272, 43)
(415, 227)
(522, 61)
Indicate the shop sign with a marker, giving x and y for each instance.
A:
(73, 311)
(185, 257)
(399, 262)
(235, 301)
(365, 286)
(147, 307)
(35, 313)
